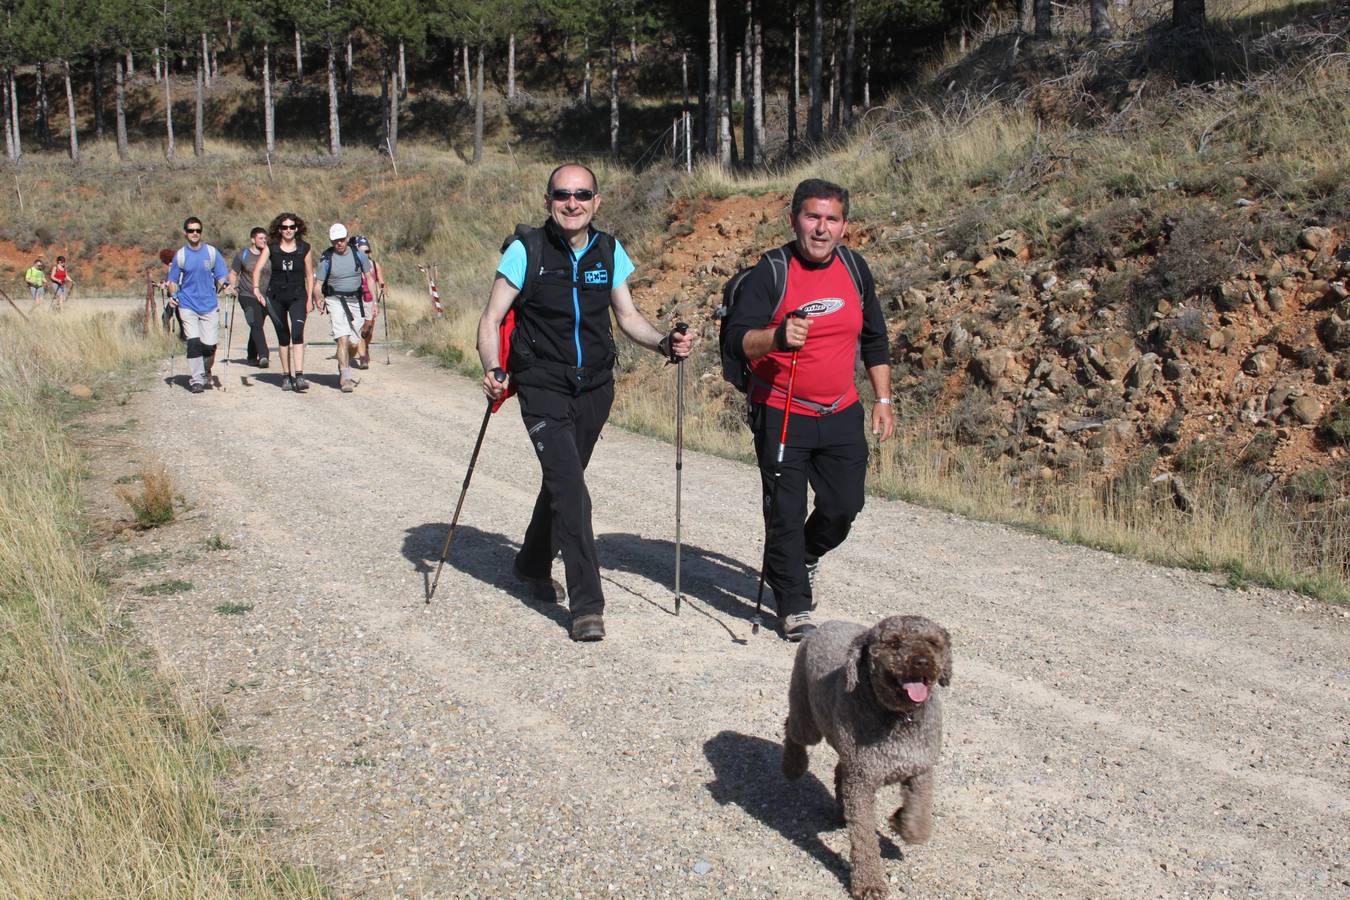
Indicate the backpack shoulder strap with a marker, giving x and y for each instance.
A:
(850, 261)
(181, 258)
(778, 265)
(532, 239)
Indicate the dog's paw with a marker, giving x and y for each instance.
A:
(913, 829)
(868, 889)
(794, 760)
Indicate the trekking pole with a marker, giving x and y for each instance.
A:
(681, 327)
(777, 477)
(384, 301)
(173, 341)
(500, 375)
(229, 342)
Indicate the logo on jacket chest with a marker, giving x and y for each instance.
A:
(597, 275)
(823, 307)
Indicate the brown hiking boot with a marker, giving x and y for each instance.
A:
(588, 628)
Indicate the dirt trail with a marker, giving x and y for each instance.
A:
(1115, 729)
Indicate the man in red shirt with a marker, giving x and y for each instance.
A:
(826, 444)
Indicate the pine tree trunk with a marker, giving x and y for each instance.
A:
(215, 63)
(391, 132)
(96, 96)
(815, 113)
(14, 113)
(402, 73)
(586, 79)
(168, 106)
(120, 103)
(710, 128)
(1101, 19)
(468, 74)
(10, 154)
(131, 66)
(334, 126)
(205, 64)
(684, 78)
(299, 58)
(794, 90)
(511, 67)
(725, 152)
(613, 101)
(70, 113)
(757, 93)
(199, 117)
(44, 127)
(849, 65)
(740, 68)
(159, 68)
(867, 73)
(632, 46)
(834, 82)
(1044, 11)
(269, 110)
(347, 85)
(478, 111)
(9, 131)
(745, 60)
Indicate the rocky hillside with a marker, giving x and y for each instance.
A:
(1061, 367)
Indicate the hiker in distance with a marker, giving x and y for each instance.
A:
(36, 281)
(286, 295)
(61, 283)
(241, 279)
(372, 289)
(195, 273)
(337, 284)
(563, 279)
(826, 445)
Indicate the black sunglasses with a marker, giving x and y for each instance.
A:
(290, 227)
(192, 230)
(561, 194)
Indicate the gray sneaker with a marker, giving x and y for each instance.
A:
(298, 384)
(797, 626)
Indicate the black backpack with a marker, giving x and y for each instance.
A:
(327, 257)
(734, 368)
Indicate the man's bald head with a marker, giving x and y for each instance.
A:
(595, 182)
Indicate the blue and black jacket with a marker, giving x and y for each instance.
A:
(564, 339)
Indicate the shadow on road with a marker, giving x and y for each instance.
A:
(706, 577)
(746, 773)
(481, 555)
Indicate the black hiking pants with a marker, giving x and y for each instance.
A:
(828, 453)
(255, 316)
(563, 429)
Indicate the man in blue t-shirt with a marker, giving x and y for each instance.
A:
(194, 275)
(561, 361)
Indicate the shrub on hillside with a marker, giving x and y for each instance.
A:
(1335, 425)
(1109, 233)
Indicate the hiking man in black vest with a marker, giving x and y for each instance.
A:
(563, 280)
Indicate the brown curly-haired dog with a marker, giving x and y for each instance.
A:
(870, 692)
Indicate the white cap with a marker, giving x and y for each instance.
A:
(337, 232)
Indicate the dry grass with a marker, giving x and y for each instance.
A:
(107, 787)
(154, 504)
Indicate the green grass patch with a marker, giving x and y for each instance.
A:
(165, 588)
(233, 609)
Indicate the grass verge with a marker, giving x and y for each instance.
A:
(108, 787)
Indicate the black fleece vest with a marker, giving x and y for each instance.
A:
(563, 338)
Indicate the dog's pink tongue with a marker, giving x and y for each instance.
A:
(917, 690)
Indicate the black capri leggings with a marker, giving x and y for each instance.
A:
(288, 318)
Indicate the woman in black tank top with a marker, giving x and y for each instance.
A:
(288, 293)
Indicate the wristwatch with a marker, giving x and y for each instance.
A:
(885, 400)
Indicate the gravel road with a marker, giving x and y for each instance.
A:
(1114, 729)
